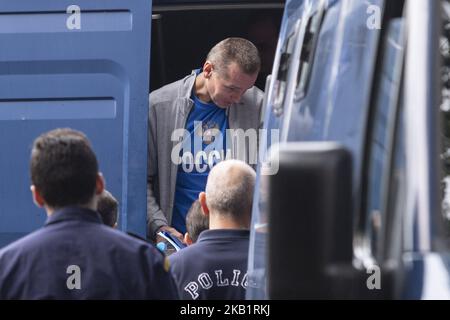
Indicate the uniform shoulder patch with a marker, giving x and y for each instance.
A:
(166, 264)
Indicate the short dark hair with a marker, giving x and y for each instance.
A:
(196, 221)
(64, 168)
(238, 50)
(107, 206)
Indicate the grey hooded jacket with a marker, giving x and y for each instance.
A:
(168, 111)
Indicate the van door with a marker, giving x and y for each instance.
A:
(83, 66)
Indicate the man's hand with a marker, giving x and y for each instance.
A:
(172, 231)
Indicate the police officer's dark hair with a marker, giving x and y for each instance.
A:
(196, 221)
(64, 168)
(237, 50)
(108, 206)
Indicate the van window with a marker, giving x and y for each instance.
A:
(380, 140)
(285, 62)
(445, 118)
(397, 235)
(396, 204)
(307, 53)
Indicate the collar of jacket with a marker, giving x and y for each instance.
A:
(185, 93)
(223, 234)
(74, 213)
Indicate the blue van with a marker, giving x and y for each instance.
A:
(87, 66)
(359, 207)
(83, 66)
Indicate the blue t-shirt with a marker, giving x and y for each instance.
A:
(206, 125)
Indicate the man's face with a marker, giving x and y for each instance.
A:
(227, 88)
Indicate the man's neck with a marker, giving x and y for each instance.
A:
(200, 89)
(91, 206)
(216, 221)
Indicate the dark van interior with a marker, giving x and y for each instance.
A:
(183, 32)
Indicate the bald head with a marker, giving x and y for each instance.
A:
(229, 190)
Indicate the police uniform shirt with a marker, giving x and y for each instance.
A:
(75, 256)
(215, 267)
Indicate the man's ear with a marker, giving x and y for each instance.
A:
(187, 239)
(207, 69)
(202, 200)
(99, 184)
(37, 198)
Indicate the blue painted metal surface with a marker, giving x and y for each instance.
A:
(93, 79)
(196, 2)
(341, 102)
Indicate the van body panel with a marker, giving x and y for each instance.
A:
(87, 70)
(375, 91)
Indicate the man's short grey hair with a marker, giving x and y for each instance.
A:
(229, 190)
(237, 50)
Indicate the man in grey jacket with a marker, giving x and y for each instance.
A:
(194, 123)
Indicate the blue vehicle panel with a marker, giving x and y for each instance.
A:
(337, 78)
(93, 78)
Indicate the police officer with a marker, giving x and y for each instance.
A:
(76, 256)
(215, 267)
